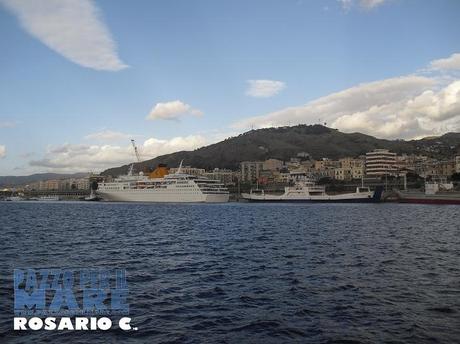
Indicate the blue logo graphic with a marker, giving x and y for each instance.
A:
(44, 292)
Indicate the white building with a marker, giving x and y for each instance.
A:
(380, 162)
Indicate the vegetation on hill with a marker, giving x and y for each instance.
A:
(286, 142)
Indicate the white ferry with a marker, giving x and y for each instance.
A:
(162, 187)
(308, 191)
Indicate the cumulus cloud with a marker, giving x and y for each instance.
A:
(403, 107)
(72, 28)
(172, 111)
(408, 106)
(451, 62)
(2, 151)
(108, 135)
(155, 147)
(264, 88)
(81, 157)
(362, 100)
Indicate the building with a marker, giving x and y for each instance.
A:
(189, 170)
(325, 168)
(273, 165)
(342, 173)
(303, 156)
(457, 164)
(82, 183)
(357, 172)
(350, 168)
(380, 162)
(266, 177)
(446, 168)
(226, 177)
(282, 176)
(52, 185)
(250, 170)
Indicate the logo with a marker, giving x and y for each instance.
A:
(54, 299)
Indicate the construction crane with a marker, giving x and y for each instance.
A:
(136, 151)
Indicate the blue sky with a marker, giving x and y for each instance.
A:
(79, 79)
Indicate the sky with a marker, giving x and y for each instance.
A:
(80, 78)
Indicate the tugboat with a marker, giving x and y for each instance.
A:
(93, 197)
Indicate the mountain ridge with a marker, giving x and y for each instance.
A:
(285, 142)
(36, 177)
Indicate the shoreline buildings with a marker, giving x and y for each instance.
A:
(376, 164)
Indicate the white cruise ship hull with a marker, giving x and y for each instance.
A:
(145, 195)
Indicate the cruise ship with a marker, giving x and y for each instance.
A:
(159, 186)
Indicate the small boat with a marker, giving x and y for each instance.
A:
(308, 191)
(436, 192)
(14, 199)
(93, 197)
(49, 198)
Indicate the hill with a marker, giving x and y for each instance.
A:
(285, 142)
(23, 180)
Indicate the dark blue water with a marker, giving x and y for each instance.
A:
(250, 273)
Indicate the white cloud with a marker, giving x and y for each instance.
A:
(108, 135)
(370, 3)
(346, 4)
(353, 100)
(366, 4)
(155, 147)
(264, 88)
(72, 28)
(172, 111)
(81, 157)
(402, 107)
(2, 151)
(451, 62)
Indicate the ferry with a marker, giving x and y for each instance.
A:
(160, 186)
(436, 192)
(308, 191)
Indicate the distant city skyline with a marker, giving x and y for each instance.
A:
(79, 79)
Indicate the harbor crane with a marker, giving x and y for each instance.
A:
(136, 151)
(138, 157)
